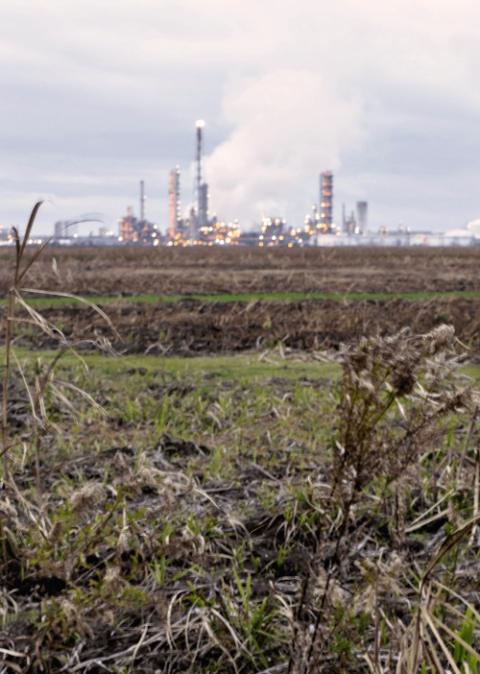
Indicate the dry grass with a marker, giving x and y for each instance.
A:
(190, 524)
(232, 270)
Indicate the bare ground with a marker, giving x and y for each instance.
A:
(168, 270)
(193, 327)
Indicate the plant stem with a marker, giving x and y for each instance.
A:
(9, 316)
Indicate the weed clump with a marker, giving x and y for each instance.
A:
(393, 398)
(397, 400)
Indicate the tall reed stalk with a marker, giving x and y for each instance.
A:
(9, 322)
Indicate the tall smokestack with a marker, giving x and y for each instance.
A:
(362, 216)
(142, 200)
(326, 201)
(174, 207)
(200, 125)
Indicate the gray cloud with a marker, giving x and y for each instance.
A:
(96, 95)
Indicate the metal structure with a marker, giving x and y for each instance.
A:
(362, 216)
(203, 205)
(65, 229)
(127, 227)
(201, 187)
(326, 202)
(174, 204)
(142, 200)
(350, 225)
(138, 231)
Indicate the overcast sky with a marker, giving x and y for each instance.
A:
(97, 94)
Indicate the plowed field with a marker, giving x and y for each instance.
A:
(203, 325)
(233, 270)
(193, 327)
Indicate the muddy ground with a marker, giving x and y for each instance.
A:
(208, 270)
(200, 327)
(193, 327)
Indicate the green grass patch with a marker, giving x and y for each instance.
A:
(238, 367)
(472, 371)
(105, 300)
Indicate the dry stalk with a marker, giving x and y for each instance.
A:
(36, 390)
(386, 420)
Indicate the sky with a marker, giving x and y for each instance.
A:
(99, 94)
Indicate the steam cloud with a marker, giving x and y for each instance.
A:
(287, 127)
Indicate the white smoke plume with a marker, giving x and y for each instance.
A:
(287, 126)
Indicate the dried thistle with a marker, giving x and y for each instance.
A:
(385, 414)
(394, 398)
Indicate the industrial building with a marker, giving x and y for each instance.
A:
(5, 235)
(134, 230)
(362, 216)
(275, 232)
(202, 209)
(202, 229)
(68, 229)
(127, 227)
(349, 223)
(174, 204)
(357, 222)
(326, 202)
(199, 228)
(60, 230)
(312, 222)
(201, 187)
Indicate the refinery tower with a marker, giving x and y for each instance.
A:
(362, 216)
(326, 201)
(198, 218)
(174, 204)
(201, 187)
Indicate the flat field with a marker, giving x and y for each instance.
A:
(231, 490)
(203, 270)
(211, 301)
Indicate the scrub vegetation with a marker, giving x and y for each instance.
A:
(271, 512)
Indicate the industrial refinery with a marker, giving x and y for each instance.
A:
(196, 226)
(192, 222)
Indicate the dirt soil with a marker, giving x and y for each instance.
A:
(196, 327)
(208, 270)
(193, 327)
